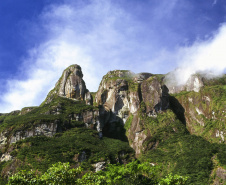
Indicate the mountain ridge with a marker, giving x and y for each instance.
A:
(132, 110)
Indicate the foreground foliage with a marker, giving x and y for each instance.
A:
(132, 173)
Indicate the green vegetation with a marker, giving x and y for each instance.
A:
(133, 86)
(118, 74)
(162, 125)
(188, 155)
(209, 111)
(46, 113)
(128, 122)
(215, 81)
(132, 173)
(173, 148)
(158, 77)
(170, 145)
(38, 153)
(122, 75)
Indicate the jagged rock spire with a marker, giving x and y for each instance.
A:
(71, 85)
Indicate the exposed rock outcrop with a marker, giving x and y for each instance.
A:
(120, 95)
(46, 129)
(114, 96)
(99, 166)
(220, 176)
(5, 157)
(154, 95)
(119, 92)
(205, 112)
(71, 85)
(25, 110)
(45, 120)
(136, 134)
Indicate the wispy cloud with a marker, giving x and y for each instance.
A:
(214, 2)
(206, 57)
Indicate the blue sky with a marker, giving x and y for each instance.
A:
(40, 38)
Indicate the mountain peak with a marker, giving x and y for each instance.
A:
(71, 85)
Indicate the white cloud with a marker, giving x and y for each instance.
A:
(207, 57)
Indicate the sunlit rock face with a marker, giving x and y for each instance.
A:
(154, 95)
(136, 134)
(120, 96)
(116, 95)
(194, 83)
(5, 157)
(46, 129)
(71, 85)
(220, 177)
(120, 92)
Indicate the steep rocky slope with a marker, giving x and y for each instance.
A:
(133, 100)
(205, 112)
(180, 128)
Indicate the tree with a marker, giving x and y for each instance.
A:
(131, 173)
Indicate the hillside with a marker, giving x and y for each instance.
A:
(179, 129)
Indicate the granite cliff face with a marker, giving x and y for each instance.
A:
(120, 96)
(115, 95)
(71, 85)
(133, 99)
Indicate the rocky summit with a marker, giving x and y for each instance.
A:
(145, 117)
(71, 85)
